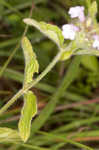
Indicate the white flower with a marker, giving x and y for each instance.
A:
(69, 31)
(96, 42)
(77, 11)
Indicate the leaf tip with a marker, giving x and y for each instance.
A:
(24, 135)
(24, 138)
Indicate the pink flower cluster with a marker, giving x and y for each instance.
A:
(69, 30)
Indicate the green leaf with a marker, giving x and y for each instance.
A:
(9, 135)
(90, 62)
(51, 31)
(88, 51)
(31, 63)
(93, 9)
(28, 112)
(30, 106)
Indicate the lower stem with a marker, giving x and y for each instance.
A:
(25, 89)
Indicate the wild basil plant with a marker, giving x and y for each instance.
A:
(79, 37)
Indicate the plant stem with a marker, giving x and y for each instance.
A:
(25, 89)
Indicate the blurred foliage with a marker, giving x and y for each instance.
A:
(68, 116)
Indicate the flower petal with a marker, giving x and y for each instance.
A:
(69, 31)
(77, 11)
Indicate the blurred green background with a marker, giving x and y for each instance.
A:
(68, 96)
